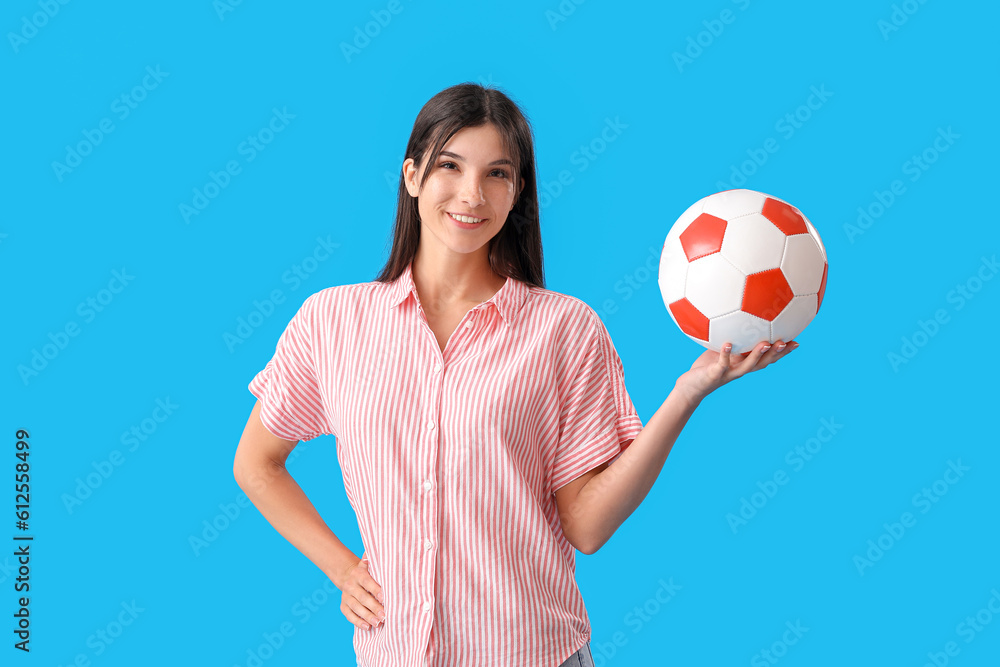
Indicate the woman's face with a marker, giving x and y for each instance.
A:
(472, 178)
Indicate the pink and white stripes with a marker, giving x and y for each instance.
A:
(450, 460)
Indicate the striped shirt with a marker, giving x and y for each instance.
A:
(450, 460)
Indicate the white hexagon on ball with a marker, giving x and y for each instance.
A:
(741, 329)
(753, 244)
(714, 286)
(731, 204)
(802, 264)
(794, 318)
(815, 235)
(673, 270)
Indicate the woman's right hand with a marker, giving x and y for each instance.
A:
(361, 599)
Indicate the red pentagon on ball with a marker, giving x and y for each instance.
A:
(784, 217)
(690, 319)
(703, 237)
(766, 294)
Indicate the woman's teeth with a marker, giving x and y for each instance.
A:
(466, 219)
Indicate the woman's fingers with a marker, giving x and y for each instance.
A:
(752, 359)
(370, 602)
(364, 610)
(370, 585)
(359, 612)
(782, 348)
(778, 350)
(375, 592)
(371, 592)
(360, 601)
(351, 616)
(760, 356)
(725, 359)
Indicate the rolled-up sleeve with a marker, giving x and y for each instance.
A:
(289, 386)
(597, 418)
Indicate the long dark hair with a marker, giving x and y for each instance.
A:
(516, 250)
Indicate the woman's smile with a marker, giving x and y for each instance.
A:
(466, 221)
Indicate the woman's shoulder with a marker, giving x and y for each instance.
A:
(550, 303)
(344, 294)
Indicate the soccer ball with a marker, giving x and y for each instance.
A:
(742, 266)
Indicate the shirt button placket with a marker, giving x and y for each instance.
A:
(428, 484)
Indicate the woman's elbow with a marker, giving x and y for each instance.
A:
(251, 473)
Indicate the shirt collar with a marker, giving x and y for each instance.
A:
(508, 299)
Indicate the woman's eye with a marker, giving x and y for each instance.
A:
(451, 166)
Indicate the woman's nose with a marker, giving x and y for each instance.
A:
(472, 192)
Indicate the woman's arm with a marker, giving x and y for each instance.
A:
(594, 505)
(259, 469)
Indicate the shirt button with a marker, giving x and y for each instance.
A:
(427, 544)
(427, 485)
(427, 606)
(437, 368)
(430, 425)
(468, 325)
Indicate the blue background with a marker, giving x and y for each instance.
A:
(687, 126)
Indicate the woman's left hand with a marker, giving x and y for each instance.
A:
(713, 369)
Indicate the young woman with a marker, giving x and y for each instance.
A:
(482, 422)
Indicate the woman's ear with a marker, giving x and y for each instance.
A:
(410, 176)
(518, 196)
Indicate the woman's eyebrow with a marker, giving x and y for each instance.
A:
(459, 157)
